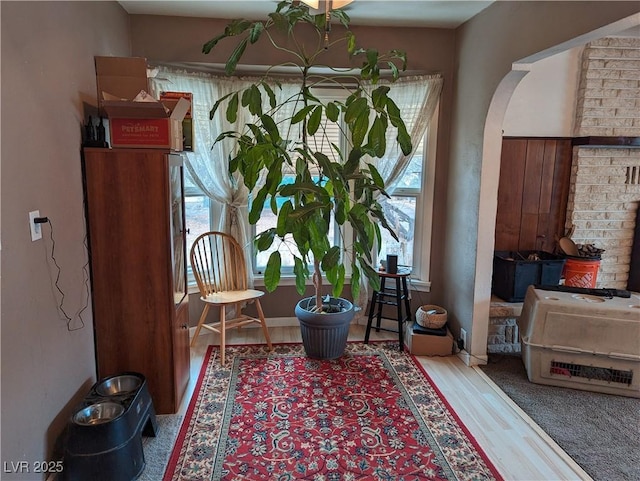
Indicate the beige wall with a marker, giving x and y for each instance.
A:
(504, 33)
(48, 79)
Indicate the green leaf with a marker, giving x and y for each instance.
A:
(375, 175)
(255, 32)
(255, 100)
(359, 128)
(270, 94)
(340, 211)
(355, 281)
(314, 120)
(308, 187)
(372, 56)
(377, 137)
(331, 258)
(355, 110)
(215, 107)
(353, 162)
(371, 274)
(333, 112)
(272, 271)
(338, 285)
(283, 217)
(379, 97)
(271, 127)
(265, 239)
(301, 114)
(325, 165)
(351, 43)
(257, 205)
(342, 16)
(393, 111)
(231, 64)
(300, 271)
(404, 139)
(207, 47)
(232, 108)
(395, 73)
(300, 212)
(318, 241)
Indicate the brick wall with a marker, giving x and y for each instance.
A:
(605, 182)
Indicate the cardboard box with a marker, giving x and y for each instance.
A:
(146, 124)
(428, 345)
(170, 99)
(135, 118)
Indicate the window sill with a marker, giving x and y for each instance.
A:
(289, 280)
(414, 284)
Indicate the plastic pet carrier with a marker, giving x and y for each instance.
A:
(582, 341)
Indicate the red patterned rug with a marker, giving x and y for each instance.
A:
(373, 414)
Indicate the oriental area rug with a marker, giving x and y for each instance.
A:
(372, 414)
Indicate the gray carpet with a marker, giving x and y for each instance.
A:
(601, 432)
(157, 450)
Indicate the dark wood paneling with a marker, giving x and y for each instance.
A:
(510, 194)
(532, 193)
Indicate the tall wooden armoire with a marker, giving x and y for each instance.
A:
(137, 250)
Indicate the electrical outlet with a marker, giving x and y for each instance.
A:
(36, 229)
(463, 338)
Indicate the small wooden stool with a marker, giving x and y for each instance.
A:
(391, 296)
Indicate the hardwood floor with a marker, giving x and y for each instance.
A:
(516, 446)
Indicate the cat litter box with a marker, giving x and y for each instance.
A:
(582, 341)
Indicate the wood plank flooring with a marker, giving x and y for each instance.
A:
(516, 446)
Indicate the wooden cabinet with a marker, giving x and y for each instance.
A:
(532, 193)
(137, 248)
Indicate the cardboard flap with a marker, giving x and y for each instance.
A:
(181, 109)
(122, 77)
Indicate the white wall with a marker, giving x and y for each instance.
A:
(543, 103)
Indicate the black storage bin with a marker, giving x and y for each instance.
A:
(513, 273)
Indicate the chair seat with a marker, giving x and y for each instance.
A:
(230, 297)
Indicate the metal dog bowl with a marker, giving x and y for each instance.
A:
(98, 413)
(118, 385)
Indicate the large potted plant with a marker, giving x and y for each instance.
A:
(338, 186)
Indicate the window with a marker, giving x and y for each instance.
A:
(198, 215)
(268, 220)
(409, 210)
(400, 211)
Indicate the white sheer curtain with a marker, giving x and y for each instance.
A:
(417, 98)
(208, 163)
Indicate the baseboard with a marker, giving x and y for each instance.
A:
(271, 322)
(470, 360)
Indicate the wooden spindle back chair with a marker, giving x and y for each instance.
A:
(219, 267)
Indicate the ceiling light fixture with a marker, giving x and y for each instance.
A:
(328, 6)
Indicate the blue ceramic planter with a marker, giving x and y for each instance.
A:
(324, 335)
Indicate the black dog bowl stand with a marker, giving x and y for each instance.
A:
(104, 436)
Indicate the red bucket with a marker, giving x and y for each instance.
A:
(581, 272)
